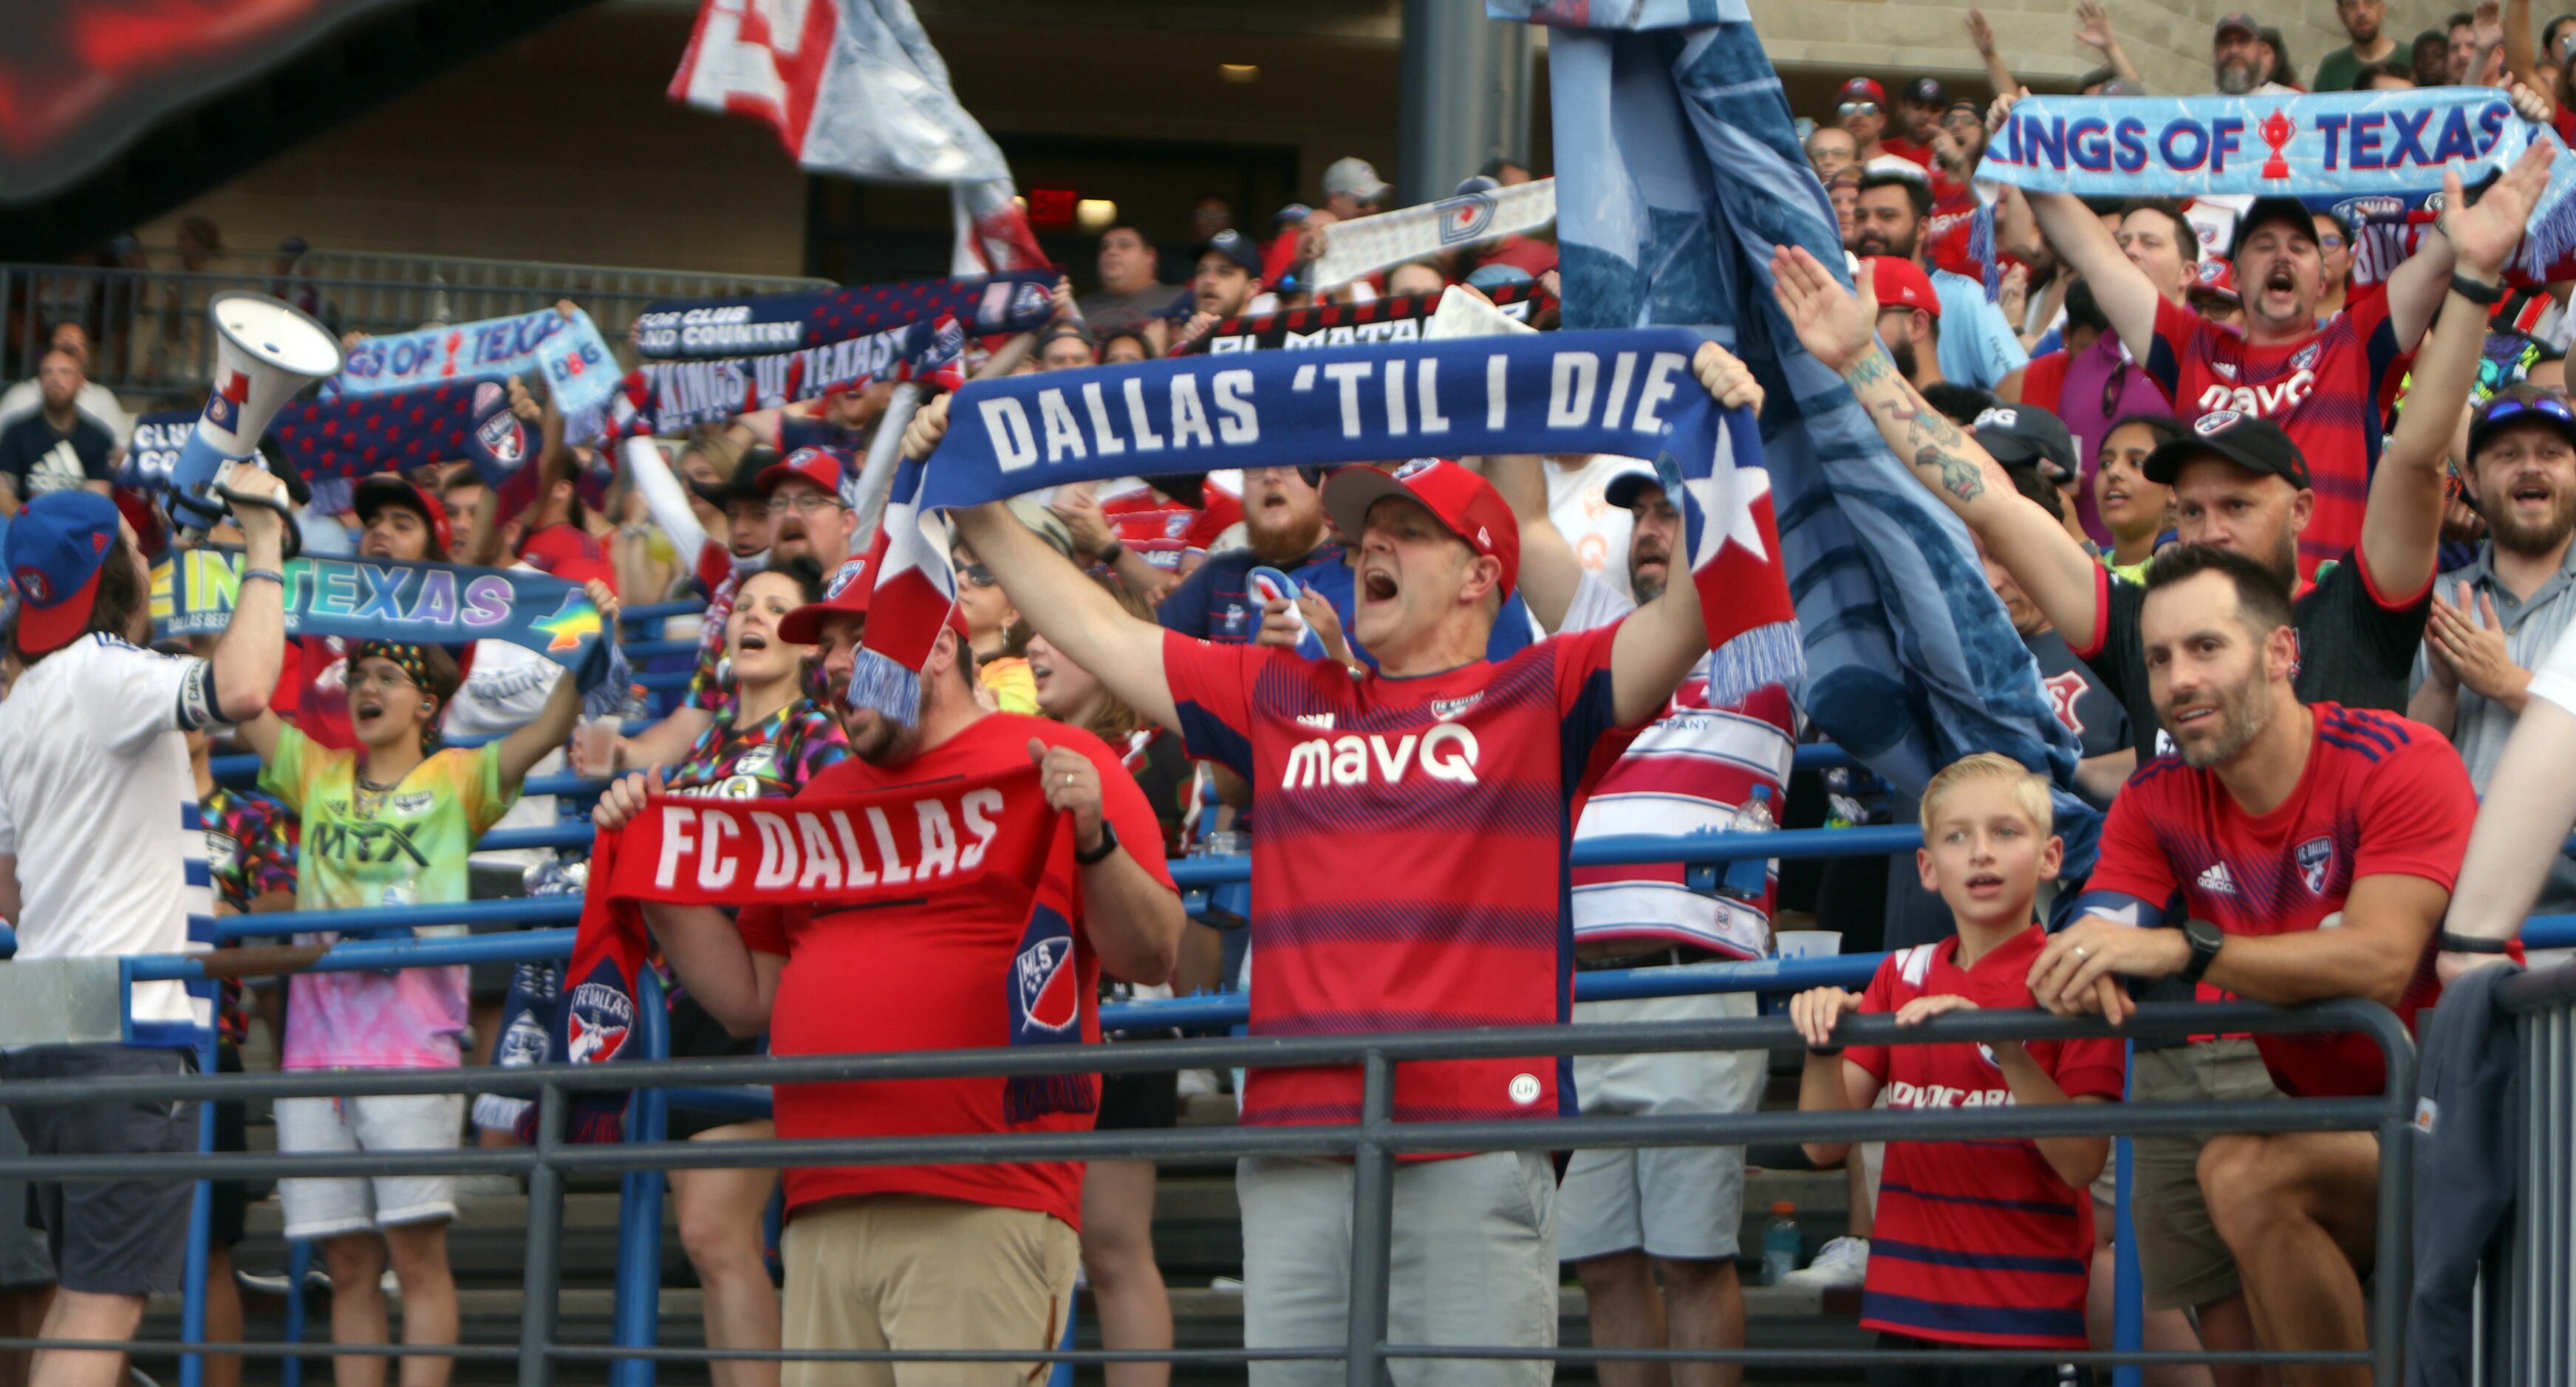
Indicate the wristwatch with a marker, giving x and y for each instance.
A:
(2206, 940)
(2471, 944)
(1109, 553)
(1098, 855)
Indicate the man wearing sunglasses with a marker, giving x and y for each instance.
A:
(2495, 620)
(1861, 108)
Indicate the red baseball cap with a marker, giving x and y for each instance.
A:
(845, 593)
(2216, 279)
(821, 466)
(1900, 283)
(390, 489)
(1466, 503)
(1862, 89)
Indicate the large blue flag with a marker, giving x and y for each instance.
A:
(1678, 171)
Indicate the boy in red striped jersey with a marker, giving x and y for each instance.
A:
(1977, 1244)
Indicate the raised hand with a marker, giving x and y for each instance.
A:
(2484, 236)
(1981, 34)
(1725, 376)
(929, 425)
(1832, 322)
(2093, 26)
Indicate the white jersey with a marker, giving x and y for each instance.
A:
(101, 812)
(1686, 772)
(1597, 529)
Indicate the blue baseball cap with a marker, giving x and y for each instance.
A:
(54, 551)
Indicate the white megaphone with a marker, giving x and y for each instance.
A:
(265, 351)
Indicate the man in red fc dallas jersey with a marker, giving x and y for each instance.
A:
(2315, 847)
(1409, 872)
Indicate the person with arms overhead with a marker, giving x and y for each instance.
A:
(1439, 550)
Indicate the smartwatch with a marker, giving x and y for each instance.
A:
(2206, 940)
(1098, 855)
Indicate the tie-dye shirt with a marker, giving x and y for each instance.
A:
(771, 759)
(250, 852)
(406, 846)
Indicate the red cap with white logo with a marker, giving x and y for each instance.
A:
(1900, 283)
(1463, 501)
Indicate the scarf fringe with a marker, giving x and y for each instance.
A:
(1981, 248)
(2551, 237)
(1030, 1097)
(881, 682)
(1763, 655)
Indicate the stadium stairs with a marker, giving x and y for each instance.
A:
(1197, 1236)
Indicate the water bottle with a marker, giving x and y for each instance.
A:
(638, 704)
(1745, 877)
(1780, 1245)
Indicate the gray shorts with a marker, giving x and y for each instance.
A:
(1474, 1262)
(109, 1237)
(1670, 1201)
(327, 1206)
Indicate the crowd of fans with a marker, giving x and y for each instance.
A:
(2291, 552)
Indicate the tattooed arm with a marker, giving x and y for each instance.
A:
(2042, 557)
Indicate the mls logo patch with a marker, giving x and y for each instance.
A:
(1415, 467)
(522, 1044)
(2315, 858)
(1464, 218)
(1046, 979)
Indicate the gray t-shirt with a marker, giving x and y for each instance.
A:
(2481, 726)
(1108, 312)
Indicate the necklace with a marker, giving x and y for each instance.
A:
(370, 795)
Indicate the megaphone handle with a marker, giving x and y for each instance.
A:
(291, 539)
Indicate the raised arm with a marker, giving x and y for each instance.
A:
(1549, 570)
(1982, 35)
(2093, 29)
(2522, 826)
(529, 743)
(1834, 326)
(2519, 56)
(1076, 615)
(2127, 297)
(253, 649)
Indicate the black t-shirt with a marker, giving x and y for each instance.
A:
(2352, 650)
(2078, 697)
(39, 458)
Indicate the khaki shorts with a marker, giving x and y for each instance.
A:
(2180, 1255)
(913, 1272)
(1671, 1201)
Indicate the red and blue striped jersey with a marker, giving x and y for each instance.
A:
(1409, 868)
(2323, 390)
(1977, 1242)
(2380, 795)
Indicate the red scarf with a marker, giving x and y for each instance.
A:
(822, 853)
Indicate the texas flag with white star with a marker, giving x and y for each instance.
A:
(1734, 553)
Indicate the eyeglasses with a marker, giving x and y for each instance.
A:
(388, 678)
(808, 503)
(1849, 109)
(978, 574)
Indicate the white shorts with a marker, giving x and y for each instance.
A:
(332, 1205)
(1670, 1201)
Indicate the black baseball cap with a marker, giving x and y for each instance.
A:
(2028, 435)
(2257, 445)
(2271, 209)
(1924, 91)
(1234, 246)
(2523, 407)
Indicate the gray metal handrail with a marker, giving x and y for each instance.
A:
(2527, 1295)
(147, 326)
(1373, 1143)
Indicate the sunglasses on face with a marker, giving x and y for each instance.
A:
(1849, 109)
(2550, 405)
(807, 504)
(2330, 241)
(978, 574)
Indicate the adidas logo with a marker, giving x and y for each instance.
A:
(1321, 722)
(2216, 881)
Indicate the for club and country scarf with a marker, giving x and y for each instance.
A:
(2370, 156)
(776, 324)
(827, 853)
(1364, 245)
(1626, 393)
(1354, 324)
(566, 352)
(1680, 173)
(193, 593)
(671, 397)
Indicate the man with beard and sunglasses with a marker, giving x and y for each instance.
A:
(1652, 1234)
(2313, 849)
(2320, 384)
(2496, 620)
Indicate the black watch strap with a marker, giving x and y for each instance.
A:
(1110, 552)
(2472, 944)
(2484, 294)
(1100, 854)
(2206, 940)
